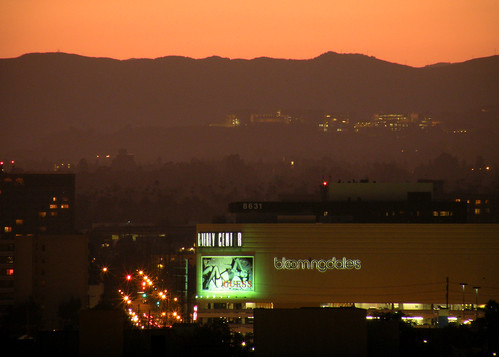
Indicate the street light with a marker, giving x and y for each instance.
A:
(463, 285)
(476, 288)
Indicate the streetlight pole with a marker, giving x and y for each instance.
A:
(463, 285)
(186, 290)
(476, 288)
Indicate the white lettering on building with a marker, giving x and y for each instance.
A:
(321, 265)
(220, 239)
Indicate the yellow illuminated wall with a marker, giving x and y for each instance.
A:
(312, 264)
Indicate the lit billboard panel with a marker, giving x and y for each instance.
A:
(227, 273)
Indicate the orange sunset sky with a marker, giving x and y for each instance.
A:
(412, 32)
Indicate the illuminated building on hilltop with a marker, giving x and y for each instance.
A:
(397, 123)
(233, 120)
(331, 123)
(428, 123)
(251, 119)
(273, 118)
(393, 122)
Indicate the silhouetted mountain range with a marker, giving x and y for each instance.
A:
(43, 94)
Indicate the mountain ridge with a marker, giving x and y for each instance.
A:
(323, 55)
(42, 93)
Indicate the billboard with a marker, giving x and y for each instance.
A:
(227, 273)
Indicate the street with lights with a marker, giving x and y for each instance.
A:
(147, 303)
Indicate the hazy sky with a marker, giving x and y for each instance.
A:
(413, 32)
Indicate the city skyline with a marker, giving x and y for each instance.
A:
(412, 33)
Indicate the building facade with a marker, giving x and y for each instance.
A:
(41, 258)
(419, 269)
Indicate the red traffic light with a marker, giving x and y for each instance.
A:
(324, 183)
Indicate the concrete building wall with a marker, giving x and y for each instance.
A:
(24, 269)
(61, 272)
(52, 269)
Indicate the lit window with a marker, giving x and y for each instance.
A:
(7, 179)
(444, 213)
(435, 213)
(477, 211)
(54, 199)
(42, 214)
(19, 222)
(7, 229)
(19, 181)
(53, 206)
(477, 202)
(53, 214)
(65, 206)
(9, 272)
(458, 200)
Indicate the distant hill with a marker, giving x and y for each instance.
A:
(41, 94)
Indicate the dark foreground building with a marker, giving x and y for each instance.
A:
(311, 332)
(43, 263)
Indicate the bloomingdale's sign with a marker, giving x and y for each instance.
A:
(321, 265)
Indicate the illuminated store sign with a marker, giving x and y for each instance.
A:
(321, 265)
(227, 273)
(220, 239)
